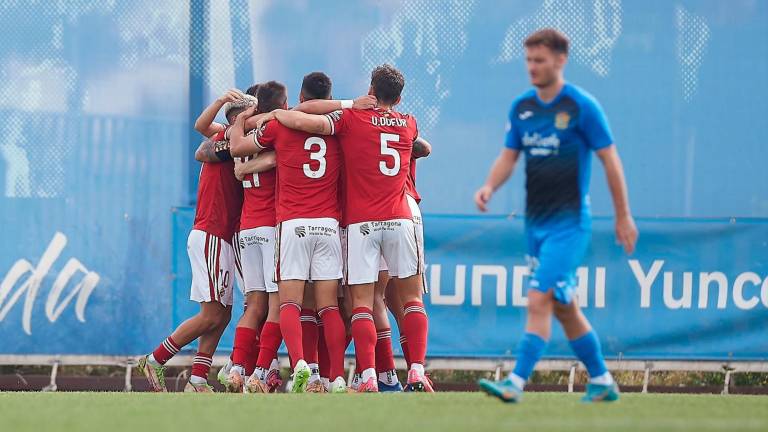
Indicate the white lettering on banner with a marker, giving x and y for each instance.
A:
(686, 299)
(705, 279)
(499, 272)
(436, 296)
(54, 307)
(741, 299)
(645, 280)
(738, 290)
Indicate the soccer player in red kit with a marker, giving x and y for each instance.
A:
(377, 145)
(308, 245)
(219, 201)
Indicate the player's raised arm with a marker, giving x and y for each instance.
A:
(626, 231)
(325, 106)
(262, 162)
(205, 124)
(240, 144)
(421, 148)
(310, 123)
(213, 150)
(502, 169)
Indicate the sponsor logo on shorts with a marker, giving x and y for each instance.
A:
(417, 220)
(386, 225)
(322, 231)
(300, 231)
(253, 240)
(365, 229)
(242, 243)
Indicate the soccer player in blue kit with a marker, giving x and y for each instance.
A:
(557, 125)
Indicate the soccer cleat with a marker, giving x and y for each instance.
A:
(355, 383)
(418, 383)
(316, 386)
(369, 386)
(274, 381)
(155, 374)
(301, 373)
(504, 390)
(601, 393)
(390, 388)
(198, 388)
(223, 375)
(255, 385)
(236, 382)
(339, 386)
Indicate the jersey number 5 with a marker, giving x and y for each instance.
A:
(387, 138)
(318, 155)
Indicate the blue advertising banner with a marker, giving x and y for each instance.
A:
(694, 289)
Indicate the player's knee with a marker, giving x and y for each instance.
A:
(539, 305)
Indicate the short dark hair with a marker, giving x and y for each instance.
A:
(387, 83)
(272, 95)
(550, 38)
(252, 90)
(316, 85)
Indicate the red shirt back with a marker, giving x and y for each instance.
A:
(219, 199)
(377, 146)
(259, 199)
(309, 167)
(410, 182)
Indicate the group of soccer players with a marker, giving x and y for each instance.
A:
(314, 211)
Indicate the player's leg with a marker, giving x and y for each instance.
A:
(246, 346)
(334, 332)
(266, 375)
(309, 337)
(201, 364)
(385, 359)
(395, 306)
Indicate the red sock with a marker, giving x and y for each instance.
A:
(334, 334)
(309, 335)
(415, 329)
(290, 326)
(242, 353)
(404, 346)
(364, 334)
(250, 364)
(323, 360)
(201, 365)
(165, 351)
(271, 338)
(385, 360)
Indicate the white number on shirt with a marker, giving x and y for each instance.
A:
(319, 156)
(250, 180)
(387, 151)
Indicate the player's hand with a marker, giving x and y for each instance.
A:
(239, 169)
(482, 196)
(231, 95)
(626, 233)
(249, 112)
(364, 102)
(265, 118)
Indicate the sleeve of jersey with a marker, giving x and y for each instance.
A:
(512, 137)
(594, 124)
(264, 138)
(221, 146)
(336, 120)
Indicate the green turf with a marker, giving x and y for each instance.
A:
(143, 412)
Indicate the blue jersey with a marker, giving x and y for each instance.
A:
(557, 139)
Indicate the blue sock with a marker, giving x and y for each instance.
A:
(587, 349)
(529, 351)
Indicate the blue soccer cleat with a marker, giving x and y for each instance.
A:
(601, 393)
(504, 390)
(390, 388)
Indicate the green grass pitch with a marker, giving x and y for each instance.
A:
(142, 412)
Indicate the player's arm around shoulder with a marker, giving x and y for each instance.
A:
(310, 123)
(421, 148)
(240, 143)
(262, 162)
(326, 106)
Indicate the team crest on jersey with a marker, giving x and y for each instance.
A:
(562, 119)
(300, 231)
(365, 229)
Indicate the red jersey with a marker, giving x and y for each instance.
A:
(259, 199)
(410, 182)
(219, 199)
(309, 168)
(377, 146)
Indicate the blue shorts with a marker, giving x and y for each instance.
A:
(553, 255)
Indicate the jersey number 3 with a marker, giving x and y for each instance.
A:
(318, 155)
